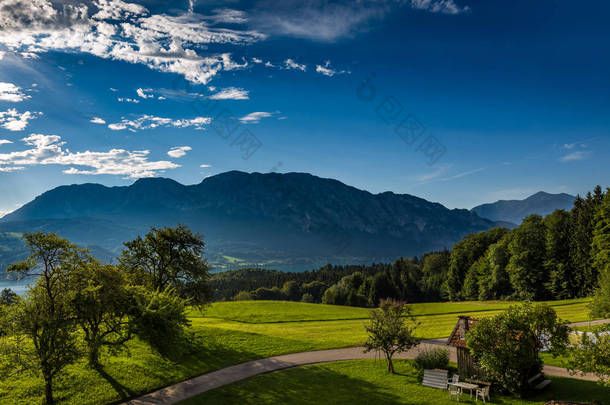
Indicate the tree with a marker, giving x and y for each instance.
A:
(315, 289)
(160, 318)
(558, 264)
(600, 249)
(507, 345)
(526, 265)
(592, 356)
(291, 290)
(434, 275)
(8, 297)
(495, 283)
(44, 316)
(102, 306)
(464, 254)
(391, 330)
(169, 257)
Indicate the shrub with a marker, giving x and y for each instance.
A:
(431, 358)
(307, 298)
(243, 296)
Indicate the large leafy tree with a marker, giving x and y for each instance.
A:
(391, 330)
(169, 257)
(43, 324)
(526, 266)
(495, 283)
(102, 305)
(434, 267)
(507, 345)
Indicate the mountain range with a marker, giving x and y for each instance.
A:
(292, 221)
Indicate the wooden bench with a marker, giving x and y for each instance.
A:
(538, 382)
(435, 378)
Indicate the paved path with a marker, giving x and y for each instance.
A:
(589, 323)
(197, 385)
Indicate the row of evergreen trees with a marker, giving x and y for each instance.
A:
(557, 257)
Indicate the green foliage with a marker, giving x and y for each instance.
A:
(494, 283)
(44, 316)
(434, 270)
(562, 283)
(102, 305)
(169, 257)
(243, 296)
(308, 298)
(315, 289)
(291, 290)
(600, 249)
(592, 355)
(8, 297)
(391, 330)
(507, 345)
(160, 318)
(431, 358)
(263, 293)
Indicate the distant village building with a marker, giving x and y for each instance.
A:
(466, 364)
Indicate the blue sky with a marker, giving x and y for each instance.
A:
(456, 101)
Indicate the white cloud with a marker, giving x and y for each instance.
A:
(11, 92)
(49, 150)
(97, 120)
(269, 64)
(128, 100)
(327, 70)
(178, 151)
(150, 122)
(569, 145)
(2, 55)
(15, 121)
(257, 60)
(5, 141)
(255, 117)
(578, 155)
(114, 29)
(291, 64)
(142, 93)
(439, 6)
(113, 89)
(230, 93)
(205, 165)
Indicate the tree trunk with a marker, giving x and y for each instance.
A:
(48, 391)
(94, 356)
(390, 364)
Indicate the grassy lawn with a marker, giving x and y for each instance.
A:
(367, 382)
(235, 332)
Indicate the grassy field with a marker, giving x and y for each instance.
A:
(367, 382)
(235, 332)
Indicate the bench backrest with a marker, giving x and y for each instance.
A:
(435, 378)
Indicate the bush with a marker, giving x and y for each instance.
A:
(307, 298)
(243, 296)
(431, 358)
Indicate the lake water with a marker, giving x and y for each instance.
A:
(18, 286)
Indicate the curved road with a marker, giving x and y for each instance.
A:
(197, 385)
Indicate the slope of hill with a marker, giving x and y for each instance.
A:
(514, 211)
(293, 220)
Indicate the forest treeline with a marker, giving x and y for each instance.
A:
(559, 256)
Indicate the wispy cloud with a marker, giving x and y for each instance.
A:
(49, 150)
(97, 120)
(230, 93)
(439, 6)
(327, 70)
(440, 173)
(205, 165)
(178, 151)
(142, 93)
(255, 117)
(291, 64)
(150, 122)
(574, 156)
(11, 92)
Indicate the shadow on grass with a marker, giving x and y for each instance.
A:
(120, 389)
(302, 387)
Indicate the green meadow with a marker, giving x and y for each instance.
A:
(234, 332)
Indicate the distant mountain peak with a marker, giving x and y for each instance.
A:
(513, 211)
